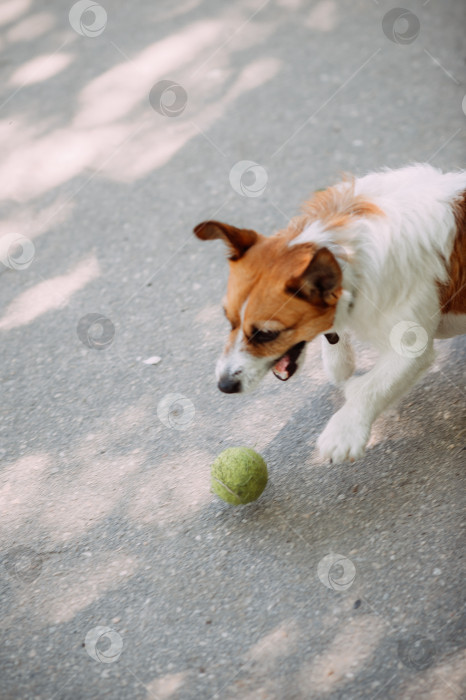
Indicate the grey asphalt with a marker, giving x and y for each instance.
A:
(121, 575)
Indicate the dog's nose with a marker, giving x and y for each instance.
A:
(229, 385)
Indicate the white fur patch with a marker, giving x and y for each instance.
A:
(395, 263)
(240, 364)
(314, 233)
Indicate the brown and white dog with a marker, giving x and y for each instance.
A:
(381, 258)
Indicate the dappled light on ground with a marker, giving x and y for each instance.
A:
(351, 648)
(78, 503)
(50, 295)
(142, 154)
(176, 486)
(21, 489)
(40, 68)
(165, 687)
(444, 681)
(31, 27)
(12, 9)
(275, 646)
(78, 587)
(39, 163)
(117, 92)
(323, 17)
(33, 220)
(114, 130)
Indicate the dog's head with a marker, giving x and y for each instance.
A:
(279, 297)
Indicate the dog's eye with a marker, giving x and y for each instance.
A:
(264, 336)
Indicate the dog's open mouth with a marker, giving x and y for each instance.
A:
(286, 366)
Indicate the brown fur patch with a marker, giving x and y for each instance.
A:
(238, 240)
(453, 293)
(261, 278)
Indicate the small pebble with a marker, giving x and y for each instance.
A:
(154, 360)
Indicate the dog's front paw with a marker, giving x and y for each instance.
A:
(344, 438)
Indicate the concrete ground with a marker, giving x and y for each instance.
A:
(121, 575)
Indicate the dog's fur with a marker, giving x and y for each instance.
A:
(383, 258)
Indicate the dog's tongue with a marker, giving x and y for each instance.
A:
(280, 368)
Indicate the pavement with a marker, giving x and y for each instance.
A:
(121, 575)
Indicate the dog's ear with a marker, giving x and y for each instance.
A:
(238, 240)
(320, 281)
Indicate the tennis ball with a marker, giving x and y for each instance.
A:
(239, 475)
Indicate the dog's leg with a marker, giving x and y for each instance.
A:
(347, 432)
(338, 358)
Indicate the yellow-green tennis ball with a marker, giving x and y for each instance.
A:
(239, 475)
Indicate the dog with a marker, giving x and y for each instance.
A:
(381, 258)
